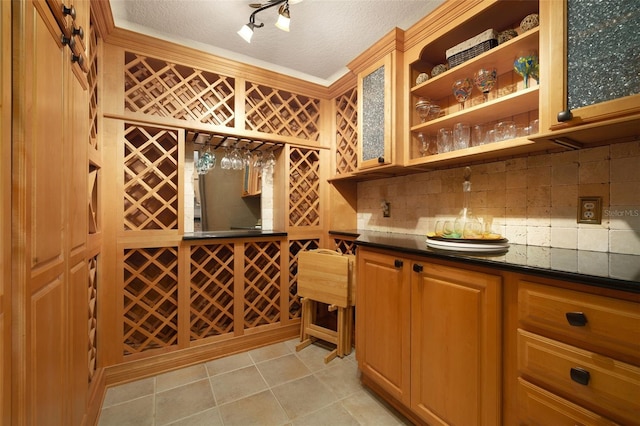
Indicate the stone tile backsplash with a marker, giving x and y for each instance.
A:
(531, 200)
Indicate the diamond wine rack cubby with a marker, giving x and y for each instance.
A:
(93, 199)
(92, 315)
(150, 311)
(92, 79)
(295, 247)
(211, 291)
(345, 246)
(160, 88)
(347, 132)
(281, 113)
(150, 178)
(261, 283)
(304, 187)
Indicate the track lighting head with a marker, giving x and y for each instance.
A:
(284, 19)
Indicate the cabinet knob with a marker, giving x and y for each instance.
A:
(417, 267)
(78, 32)
(565, 115)
(398, 263)
(576, 319)
(77, 58)
(66, 41)
(71, 11)
(580, 375)
(380, 160)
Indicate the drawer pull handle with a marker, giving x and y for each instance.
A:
(398, 263)
(580, 375)
(576, 319)
(417, 268)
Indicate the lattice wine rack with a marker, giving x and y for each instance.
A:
(304, 187)
(150, 318)
(347, 132)
(211, 291)
(93, 199)
(261, 283)
(345, 246)
(295, 247)
(92, 79)
(280, 112)
(156, 87)
(93, 315)
(150, 178)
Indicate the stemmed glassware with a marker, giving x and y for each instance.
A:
(258, 161)
(206, 161)
(225, 163)
(462, 90)
(485, 79)
(236, 159)
(527, 66)
(270, 162)
(423, 107)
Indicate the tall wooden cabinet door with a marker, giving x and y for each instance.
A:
(382, 336)
(40, 281)
(455, 345)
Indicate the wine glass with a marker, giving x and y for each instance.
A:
(225, 163)
(527, 65)
(236, 159)
(258, 162)
(462, 90)
(423, 106)
(485, 79)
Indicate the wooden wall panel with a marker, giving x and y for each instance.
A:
(5, 212)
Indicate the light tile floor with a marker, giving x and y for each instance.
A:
(273, 385)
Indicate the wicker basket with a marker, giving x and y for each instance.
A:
(472, 47)
(471, 53)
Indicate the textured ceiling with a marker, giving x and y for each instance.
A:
(325, 34)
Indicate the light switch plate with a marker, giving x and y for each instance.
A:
(590, 210)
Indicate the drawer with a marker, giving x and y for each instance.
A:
(597, 382)
(611, 326)
(538, 407)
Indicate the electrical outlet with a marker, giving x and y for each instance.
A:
(386, 209)
(590, 210)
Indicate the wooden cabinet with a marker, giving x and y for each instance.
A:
(509, 99)
(455, 345)
(383, 321)
(379, 93)
(429, 336)
(579, 351)
(49, 167)
(592, 73)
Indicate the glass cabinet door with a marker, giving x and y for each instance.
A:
(374, 115)
(595, 74)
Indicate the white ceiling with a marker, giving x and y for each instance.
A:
(325, 34)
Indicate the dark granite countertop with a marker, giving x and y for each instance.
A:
(610, 270)
(234, 233)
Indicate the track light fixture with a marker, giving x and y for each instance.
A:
(284, 19)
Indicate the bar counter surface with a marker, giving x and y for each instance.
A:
(609, 270)
(233, 233)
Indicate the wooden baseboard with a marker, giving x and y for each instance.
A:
(97, 390)
(161, 363)
(394, 403)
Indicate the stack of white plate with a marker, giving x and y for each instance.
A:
(471, 245)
